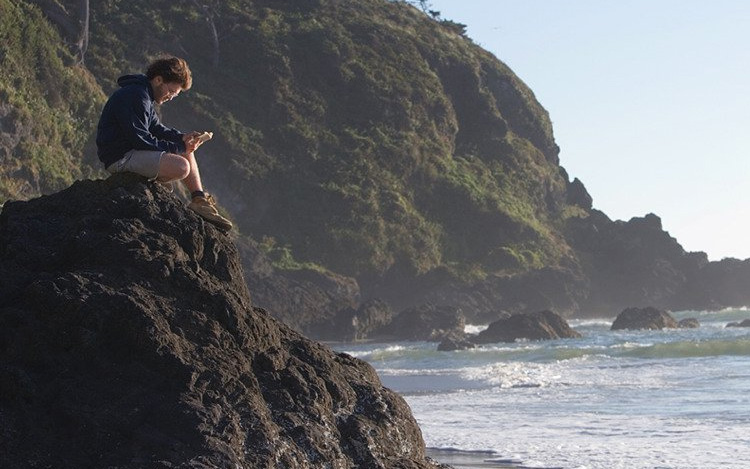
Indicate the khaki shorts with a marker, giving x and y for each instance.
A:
(143, 162)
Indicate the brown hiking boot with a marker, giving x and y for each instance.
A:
(206, 207)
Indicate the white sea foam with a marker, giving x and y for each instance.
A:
(383, 351)
(475, 328)
(597, 322)
(515, 374)
(674, 399)
(413, 372)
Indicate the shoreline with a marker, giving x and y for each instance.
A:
(460, 459)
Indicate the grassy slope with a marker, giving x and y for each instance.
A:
(361, 135)
(47, 107)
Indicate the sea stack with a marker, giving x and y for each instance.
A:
(644, 318)
(128, 339)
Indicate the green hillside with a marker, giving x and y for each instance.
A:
(48, 106)
(364, 138)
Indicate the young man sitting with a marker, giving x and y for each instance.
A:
(130, 136)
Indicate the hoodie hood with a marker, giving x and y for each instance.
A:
(126, 80)
(139, 79)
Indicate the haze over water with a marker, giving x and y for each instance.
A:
(672, 399)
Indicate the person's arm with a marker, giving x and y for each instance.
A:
(135, 121)
(163, 132)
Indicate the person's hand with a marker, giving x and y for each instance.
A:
(191, 141)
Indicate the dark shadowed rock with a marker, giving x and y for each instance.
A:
(549, 288)
(644, 318)
(358, 324)
(717, 285)
(629, 263)
(745, 323)
(127, 339)
(689, 323)
(578, 195)
(308, 300)
(450, 344)
(542, 325)
(427, 322)
(353, 324)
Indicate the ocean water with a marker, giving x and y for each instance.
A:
(672, 399)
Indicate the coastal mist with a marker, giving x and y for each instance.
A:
(674, 398)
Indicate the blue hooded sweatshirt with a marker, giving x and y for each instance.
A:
(129, 122)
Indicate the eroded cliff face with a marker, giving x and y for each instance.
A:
(128, 339)
(382, 148)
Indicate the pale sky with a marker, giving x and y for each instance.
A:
(649, 102)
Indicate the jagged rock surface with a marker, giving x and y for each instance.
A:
(644, 318)
(689, 323)
(427, 322)
(309, 301)
(358, 324)
(540, 325)
(127, 339)
(450, 344)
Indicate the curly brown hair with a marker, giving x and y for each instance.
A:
(171, 70)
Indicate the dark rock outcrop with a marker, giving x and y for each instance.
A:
(426, 322)
(717, 285)
(450, 344)
(127, 339)
(745, 323)
(556, 289)
(633, 262)
(541, 325)
(308, 300)
(644, 318)
(357, 324)
(689, 323)
(578, 195)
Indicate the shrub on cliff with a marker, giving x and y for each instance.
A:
(48, 106)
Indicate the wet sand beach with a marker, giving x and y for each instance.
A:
(476, 459)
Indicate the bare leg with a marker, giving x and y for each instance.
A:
(173, 167)
(193, 179)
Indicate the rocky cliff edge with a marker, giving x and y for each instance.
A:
(128, 339)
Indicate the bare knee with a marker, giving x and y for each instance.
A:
(173, 167)
(183, 169)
